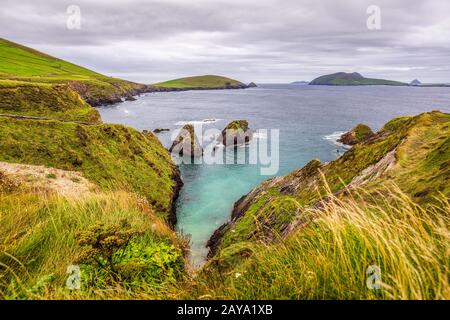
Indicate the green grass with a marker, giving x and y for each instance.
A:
(328, 257)
(23, 61)
(45, 100)
(23, 64)
(39, 242)
(112, 156)
(207, 81)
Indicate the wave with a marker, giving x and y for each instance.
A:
(334, 137)
(260, 135)
(204, 121)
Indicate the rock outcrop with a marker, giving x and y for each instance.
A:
(358, 134)
(159, 130)
(252, 85)
(186, 143)
(236, 133)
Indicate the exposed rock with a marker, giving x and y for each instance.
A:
(159, 130)
(236, 133)
(252, 85)
(415, 82)
(130, 98)
(187, 143)
(358, 134)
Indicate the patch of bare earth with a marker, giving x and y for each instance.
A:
(70, 184)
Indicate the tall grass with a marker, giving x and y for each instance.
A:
(38, 237)
(328, 259)
(325, 259)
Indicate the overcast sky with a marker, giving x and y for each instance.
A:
(250, 40)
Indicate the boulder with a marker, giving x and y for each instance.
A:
(186, 143)
(159, 130)
(358, 134)
(130, 98)
(236, 133)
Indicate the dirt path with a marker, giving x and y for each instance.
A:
(15, 116)
(66, 183)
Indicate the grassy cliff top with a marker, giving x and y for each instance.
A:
(351, 79)
(206, 81)
(111, 156)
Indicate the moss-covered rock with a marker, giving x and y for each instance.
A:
(237, 132)
(358, 134)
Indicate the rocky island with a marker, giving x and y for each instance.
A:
(236, 133)
(352, 79)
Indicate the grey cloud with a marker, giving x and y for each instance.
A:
(265, 41)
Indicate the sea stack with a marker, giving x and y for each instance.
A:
(186, 143)
(252, 85)
(236, 133)
(358, 134)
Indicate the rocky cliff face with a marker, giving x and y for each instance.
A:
(358, 134)
(412, 152)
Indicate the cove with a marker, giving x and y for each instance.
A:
(309, 119)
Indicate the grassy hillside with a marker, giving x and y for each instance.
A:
(25, 64)
(45, 100)
(112, 156)
(329, 257)
(352, 79)
(410, 152)
(202, 82)
(43, 234)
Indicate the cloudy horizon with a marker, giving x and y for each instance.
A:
(262, 41)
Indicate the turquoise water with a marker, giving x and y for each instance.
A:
(309, 119)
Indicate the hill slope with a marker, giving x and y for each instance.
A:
(351, 79)
(112, 156)
(28, 65)
(203, 82)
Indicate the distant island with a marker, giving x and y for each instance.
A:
(204, 83)
(417, 83)
(352, 79)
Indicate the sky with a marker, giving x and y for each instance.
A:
(265, 41)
